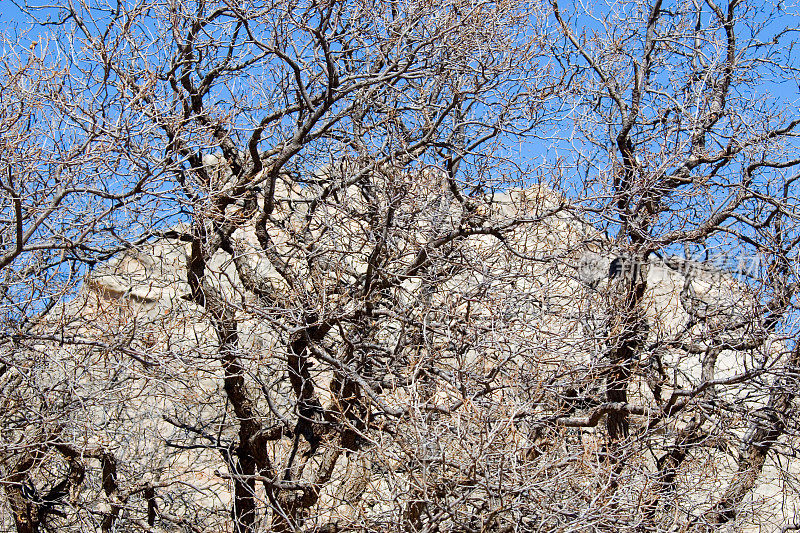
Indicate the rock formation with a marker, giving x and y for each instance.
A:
(481, 387)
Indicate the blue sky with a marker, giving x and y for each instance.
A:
(527, 153)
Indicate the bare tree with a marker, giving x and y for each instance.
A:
(321, 293)
(65, 190)
(336, 155)
(690, 156)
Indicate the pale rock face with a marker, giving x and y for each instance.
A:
(539, 295)
(593, 268)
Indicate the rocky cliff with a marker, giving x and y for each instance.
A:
(474, 389)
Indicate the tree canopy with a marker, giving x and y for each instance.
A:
(366, 266)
